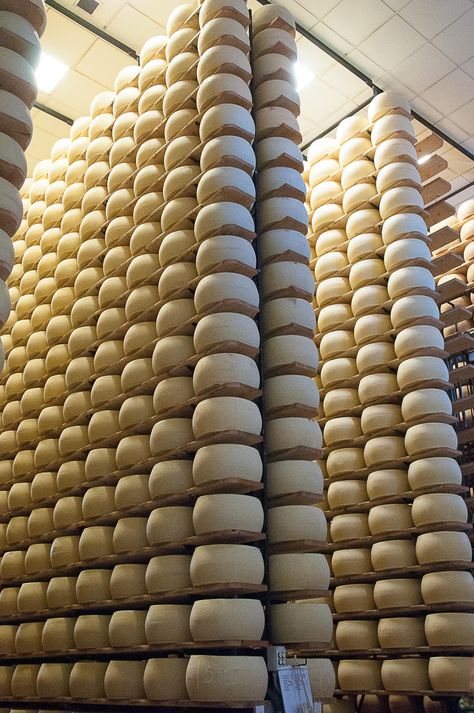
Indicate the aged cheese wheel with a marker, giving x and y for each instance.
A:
(349, 526)
(169, 476)
(96, 542)
(61, 591)
(358, 634)
(286, 434)
(363, 246)
(449, 586)
(220, 331)
(171, 434)
(215, 370)
(373, 356)
(220, 619)
(400, 200)
(407, 279)
(67, 511)
(23, 681)
(343, 460)
(344, 428)
(412, 339)
(418, 369)
(58, 634)
(449, 673)
(361, 221)
(226, 413)
(363, 674)
(405, 674)
(337, 370)
(378, 417)
(302, 621)
(354, 597)
(423, 402)
(389, 518)
(337, 342)
(213, 564)
(169, 524)
(130, 534)
(32, 597)
(53, 680)
(382, 483)
(390, 593)
(338, 401)
(401, 632)
(217, 461)
(93, 585)
(65, 550)
(124, 679)
(213, 513)
(165, 679)
(403, 225)
(442, 547)
(87, 679)
(207, 678)
(425, 437)
(448, 629)
(393, 554)
(365, 271)
(127, 580)
(394, 150)
(329, 264)
(352, 561)
(168, 573)
(298, 571)
(333, 316)
(383, 449)
(127, 628)
(167, 623)
(427, 472)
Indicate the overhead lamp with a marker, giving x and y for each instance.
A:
(303, 76)
(50, 72)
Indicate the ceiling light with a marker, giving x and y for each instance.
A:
(424, 159)
(50, 72)
(303, 76)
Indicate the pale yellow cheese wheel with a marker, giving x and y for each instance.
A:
(298, 571)
(349, 526)
(65, 550)
(207, 678)
(92, 631)
(38, 558)
(353, 597)
(361, 674)
(357, 634)
(58, 634)
(302, 621)
(333, 316)
(23, 682)
(220, 619)
(127, 628)
(382, 483)
(343, 428)
(127, 580)
(337, 370)
(93, 585)
(343, 460)
(351, 561)
(389, 518)
(214, 513)
(226, 413)
(96, 542)
(167, 477)
(213, 564)
(32, 596)
(449, 673)
(87, 679)
(448, 586)
(442, 547)
(168, 573)
(70, 474)
(405, 674)
(401, 632)
(226, 460)
(53, 680)
(393, 554)
(378, 417)
(427, 472)
(425, 437)
(171, 434)
(169, 524)
(337, 401)
(8, 600)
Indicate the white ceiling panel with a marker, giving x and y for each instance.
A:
(451, 92)
(423, 68)
(456, 41)
(132, 27)
(65, 40)
(77, 91)
(430, 17)
(355, 21)
(392, 43)
(108, 58)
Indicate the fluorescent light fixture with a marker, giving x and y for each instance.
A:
(50, 72)
(303, 76)
(424, 158)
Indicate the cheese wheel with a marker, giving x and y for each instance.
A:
(127, 628)
(219, 332)
(362, 674)
(130, 534)
(169, 476)
(389, 518)
(58, 634)
(448, 629)
(333, 316)
(165, 679)
(353, 597)
(349, 527)
(383, 483)
(166, 623)
(167, 573)
(401, 632)
(302, 621)
(87, 679)
(223, 218)
(405, 674)
(124, 679)
(226, 460)
(403, 225)
(400, 199)
(424, 437)
(65, 550)
(32, 597)
(169, 523)
(449, 673)
(226, 414)
(373, 356)
(389, 593)
(449, 586)
(338, 401)
(213, 513)
(53, 680)
(346, 493)
(337, 370)
(378, 417)
(70, 474)
(215, 370)
(100, 462)
(170, 435)
(127, 580)
(213, 564)
(8, 600)
(351, 561)
(358, 634)
(93, 585)
(376, 386)
(343, 460)
(383, 449)
(23, 681)
(334, 343)
(96, 542)
(424, 402)
(207, 678)
(394, 554)
(298, 571)
(221, 619)
(427, 472)
(344, 428)
(394, 150)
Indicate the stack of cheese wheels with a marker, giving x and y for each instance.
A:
(289, 355)
(381, 351)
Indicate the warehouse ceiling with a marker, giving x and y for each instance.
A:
(424, 48)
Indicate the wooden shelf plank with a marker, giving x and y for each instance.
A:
(462, 374)
(435, 189)
(455, 315)
(463, 404)
(443, 236)
(430, 168)
(445, 262)
(463, 342)
(466, 436)
(451, 289)
(432, 143)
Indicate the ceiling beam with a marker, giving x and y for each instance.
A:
(370, 82)
(56, 114)
(92, 28)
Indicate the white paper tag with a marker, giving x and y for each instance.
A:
(296, 689)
